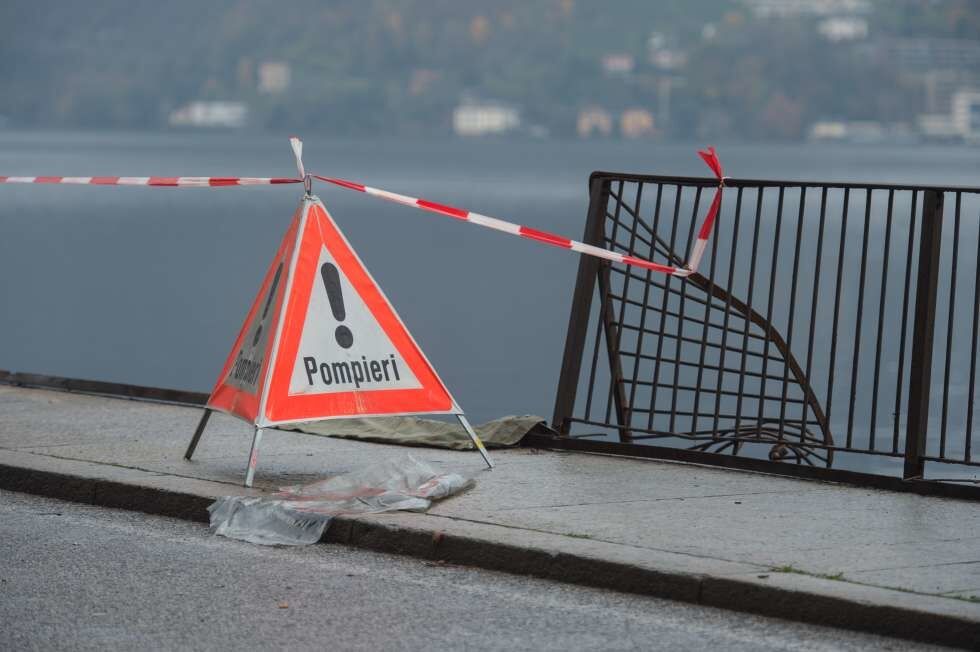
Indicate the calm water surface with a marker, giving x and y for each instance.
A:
(149, 286)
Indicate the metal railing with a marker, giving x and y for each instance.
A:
(833, 325)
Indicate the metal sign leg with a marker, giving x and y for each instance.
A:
(253, 457)
(476, 440)
(197, 433)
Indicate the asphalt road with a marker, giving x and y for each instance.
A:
(86, 578)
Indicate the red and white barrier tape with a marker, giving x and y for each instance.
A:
(709, 157)
(168, 182)
(697, 252)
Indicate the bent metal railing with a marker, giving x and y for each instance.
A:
(833, 325)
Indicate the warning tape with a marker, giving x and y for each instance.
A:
(697, 252)
(709, 156)
(168, 182)
(505, 227)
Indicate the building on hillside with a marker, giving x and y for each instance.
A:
(618, 64)
(636, 123)
(966, 114)
(962, 123)
(843, 28)
(661, 55)
(472, 118)
(795, 8)
(274, 77)
(594, 121)
(210, 114)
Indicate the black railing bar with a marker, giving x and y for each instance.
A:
(589, 435)
(704, 329)
(712, 367)
(728, 305)
(856, 358)
(610, 396)
(710, 304)
(802, 455)
(762, 436)
(622, 306)
(629, 248)
(684, 297)
(905, 317)
(818, 260)
(592, 371)
(735, 182)
(748, 302)
(659, 434)
(973, 354)
(725, 445)
(773, 276)
(663, 307)
(676, 315)
(949, 328)
(845, 209)
(643, 312)
(763, 426)
(707, 365)
(792, 300)
(699, 413)
(725, 432)
(606, 304)
(672, 257)
(691, 340)
(881, 320)
(726, 392)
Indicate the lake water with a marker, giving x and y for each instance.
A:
(149, 286)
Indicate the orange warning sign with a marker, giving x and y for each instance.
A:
(322, 341)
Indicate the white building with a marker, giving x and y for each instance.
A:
(210, 114)
(484, 119)
(794, 8)
(843, 28)
(618, 63)
(966, 114)
(961, 123)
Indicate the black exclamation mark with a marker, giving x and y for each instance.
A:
(268, 302)
(331, 282)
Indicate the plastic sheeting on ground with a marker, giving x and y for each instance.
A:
(299, 514)
(415, 431)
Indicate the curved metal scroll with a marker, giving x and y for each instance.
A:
(789, 440)
(782, 449)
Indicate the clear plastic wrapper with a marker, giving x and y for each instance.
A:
(299, 514)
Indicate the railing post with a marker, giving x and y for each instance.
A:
(611, 330)
(920, 372)
(578, 321)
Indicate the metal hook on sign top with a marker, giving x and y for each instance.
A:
(297, 146)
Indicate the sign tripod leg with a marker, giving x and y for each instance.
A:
(197, 433)
(253, 456)
(476, 440)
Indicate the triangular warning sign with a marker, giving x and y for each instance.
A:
(244, 373)
(322, 341)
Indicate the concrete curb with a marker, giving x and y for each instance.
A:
(783, 595)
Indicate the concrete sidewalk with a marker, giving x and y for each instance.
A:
(896, 564)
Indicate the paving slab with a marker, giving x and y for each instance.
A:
(907, 564)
